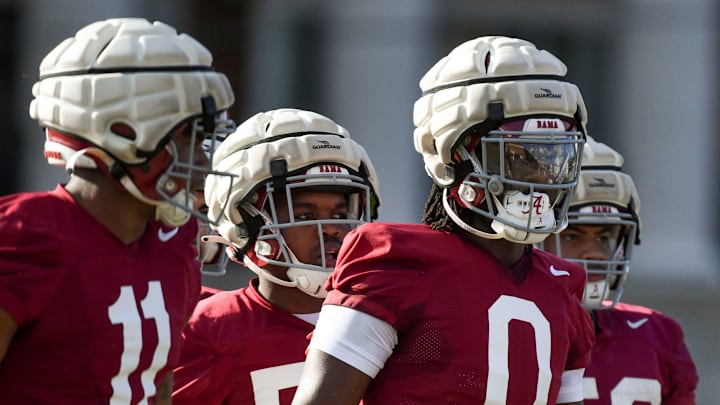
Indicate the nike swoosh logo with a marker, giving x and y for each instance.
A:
(166, 236)
(637, 324)
(556, 272)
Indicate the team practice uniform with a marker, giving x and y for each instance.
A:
(240, 349)
(69, 284)
(498, 318)
(639, 355)
(206, 291)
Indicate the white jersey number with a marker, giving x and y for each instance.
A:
(124, 312)
(628, 390)
(268, 382)
(505, 309)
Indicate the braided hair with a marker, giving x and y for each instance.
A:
(437, 218)
(434, 213)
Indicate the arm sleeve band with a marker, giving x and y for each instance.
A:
(571, 386)
(354, 337)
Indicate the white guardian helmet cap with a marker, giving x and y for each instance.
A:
(501, 131)
(271, 155)
(114, 96)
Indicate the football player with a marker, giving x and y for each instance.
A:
(462, 309)
(99, 276)
(301, 184)
(639, 353)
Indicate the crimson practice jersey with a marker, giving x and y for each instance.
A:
(470, 329)
(206, 291)
(240, 349)
(639, 355)
(99, 322)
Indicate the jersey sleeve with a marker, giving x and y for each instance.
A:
(375, 274)
(682, 373)
(584, 338)
(207, 291)
(194, 289)
(582, 328)
(194, 374)
(29, 271)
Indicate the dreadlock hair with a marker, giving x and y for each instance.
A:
(434, 213)
(437, 218)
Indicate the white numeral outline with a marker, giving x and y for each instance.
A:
(268, 382)
(124, 311)
(502, 311)
(627, 391)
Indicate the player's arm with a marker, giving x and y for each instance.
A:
(347, 350)
(327, 380)
(683, 380)
(682, 370)
(8, 327)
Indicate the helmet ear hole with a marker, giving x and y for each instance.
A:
(123, 130)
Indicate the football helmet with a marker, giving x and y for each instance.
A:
(501, 131)
(271, 155)
(605, 196)
(116, 96)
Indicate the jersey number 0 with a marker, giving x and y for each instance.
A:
(505, 309)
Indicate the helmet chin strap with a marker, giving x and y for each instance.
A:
(301, 281)
(170, 214)
(308, 281)
(165, 212)
(247, 261)
(503, 231)
(265, 274)
(596, 292)
(453, 215)
(514, 234)
(80, 160)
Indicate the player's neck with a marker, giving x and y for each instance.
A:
(289, 299)
(506, 252)
(122, 214)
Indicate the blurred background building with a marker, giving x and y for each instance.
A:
(647, 70)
